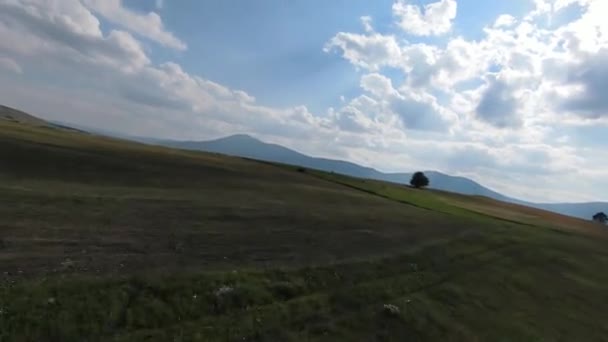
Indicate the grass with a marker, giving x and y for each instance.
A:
(114, 241)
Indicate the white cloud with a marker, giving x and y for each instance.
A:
(59, 38)
(423, 64)
(372, 51)
(415, 110)
(514, 55)
(386, 111)
(498, 105)
(587, 81)
(499, 108)
(505, 20)
(367, 23)
(354, 117)
(422, 111)
(149, 25)
(513, 86)
(434, 19)
(378, 85)
(68, 32)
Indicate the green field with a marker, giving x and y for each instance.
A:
(108, 240)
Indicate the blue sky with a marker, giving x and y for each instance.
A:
(509, 93)
(274, 49)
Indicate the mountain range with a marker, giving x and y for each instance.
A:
(246, 146)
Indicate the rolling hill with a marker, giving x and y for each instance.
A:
(249, 147)
(20, 117)
(246, 146)
(14, 115)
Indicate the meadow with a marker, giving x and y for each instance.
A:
(110, 240)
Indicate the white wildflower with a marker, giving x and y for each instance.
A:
(68, 263)
(223, 291)
(392, 309)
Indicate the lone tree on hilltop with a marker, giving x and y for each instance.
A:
(600, 218)
(419, 180)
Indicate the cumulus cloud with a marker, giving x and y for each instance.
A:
(149, 25)
(587, 81)
(514, 85)
(370, 51)
(66, 30)
(505, 20)
(367, 23)
(433, 19)
(420, 64)
(415, 110)
(65, 38)
(527, 65)
(354, 116)
(421, 112)
(424, 65)
(378, 85)
(365, 115)
(498, 106)
(386, 111)
(487, 108)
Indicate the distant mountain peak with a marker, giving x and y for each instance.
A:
(240, 136)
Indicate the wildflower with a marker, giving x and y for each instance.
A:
(223, 291)
(391, 309)
(68, 263)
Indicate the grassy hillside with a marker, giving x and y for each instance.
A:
(249, 147)
(17, 116)
(110, 240)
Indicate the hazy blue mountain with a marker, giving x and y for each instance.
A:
(249, 147)
(463, 185)
(581, 210)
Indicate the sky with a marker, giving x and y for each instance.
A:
(510, 93)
